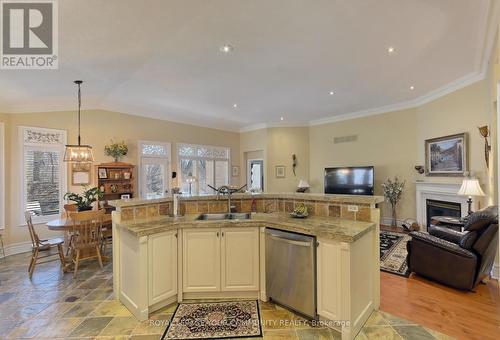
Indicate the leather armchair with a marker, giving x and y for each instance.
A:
(457, 259)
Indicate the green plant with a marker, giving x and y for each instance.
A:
(85, 200)
(393, 190)
(116, 150)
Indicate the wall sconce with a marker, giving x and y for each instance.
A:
(420, 169)
(485, 133)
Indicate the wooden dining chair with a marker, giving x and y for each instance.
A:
(86, 230)
(43, 246)
(70, 208)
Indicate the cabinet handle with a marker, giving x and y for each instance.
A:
(222, 234)
(217, 234)
(175, 235)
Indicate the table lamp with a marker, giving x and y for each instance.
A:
(303, 186)
(470, 187)
(190, 179)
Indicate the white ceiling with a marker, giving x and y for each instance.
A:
(161, 58)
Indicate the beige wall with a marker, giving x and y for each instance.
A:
(98, 127)
(386, 141)
(251, 142)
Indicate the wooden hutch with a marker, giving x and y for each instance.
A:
(116, 180)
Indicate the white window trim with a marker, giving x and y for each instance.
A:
(2, 175)
(168, 157)
(64, 182)
(178, 158)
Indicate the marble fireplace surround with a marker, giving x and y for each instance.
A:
(446, 192)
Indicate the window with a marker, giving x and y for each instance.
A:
(44, 173)
(208, 164)
(2, 176)
(154, 168)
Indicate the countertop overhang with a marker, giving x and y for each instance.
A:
(329, 198)
(322, 227)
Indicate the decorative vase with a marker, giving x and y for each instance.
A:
(394, 217)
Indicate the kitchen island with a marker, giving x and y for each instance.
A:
(160, 259)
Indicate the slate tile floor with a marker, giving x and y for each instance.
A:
(54, 305)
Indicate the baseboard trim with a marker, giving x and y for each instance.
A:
(387, 221)
(17, 248)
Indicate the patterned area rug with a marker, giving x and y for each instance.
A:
(393, 253)
(215, 320)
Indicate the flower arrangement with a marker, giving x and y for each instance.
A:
(85, 200)
(393, 190)
(116, 150)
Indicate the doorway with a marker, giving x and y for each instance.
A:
(256, 175)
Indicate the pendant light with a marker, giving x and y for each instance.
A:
(79, 153)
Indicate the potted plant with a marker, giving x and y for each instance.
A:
(393, 190)
(117, 150)
(85, 200)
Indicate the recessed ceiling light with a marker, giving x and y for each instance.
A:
(331, 93)
(282, 118)
(226, 48)
(235, 105)
(391, 49)
(412, 87)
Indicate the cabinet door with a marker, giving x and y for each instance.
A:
(201, 260)
(162, 263)
(240, 259)
(329, 279)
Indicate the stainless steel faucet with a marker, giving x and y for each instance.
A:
(227, 190)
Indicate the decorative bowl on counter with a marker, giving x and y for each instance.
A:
(295, 215)
(300, 211)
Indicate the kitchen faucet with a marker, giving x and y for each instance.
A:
(227, 190)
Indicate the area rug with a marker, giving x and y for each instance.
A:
(393, 253)
(215, 320)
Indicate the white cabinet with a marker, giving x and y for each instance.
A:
(162, 266)
(329, 279)
(220, 259)
(201, 260)
(240, 259)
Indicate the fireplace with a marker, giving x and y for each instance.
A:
(442, 208)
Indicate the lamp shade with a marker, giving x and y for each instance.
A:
(78, 154)
(190, 178)
(470, 187)
(303, 184)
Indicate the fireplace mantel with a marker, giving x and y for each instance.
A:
(438, 191)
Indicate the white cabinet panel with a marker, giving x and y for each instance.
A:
(201, 260)
(329, 279)
(240, 259)
(162, 262)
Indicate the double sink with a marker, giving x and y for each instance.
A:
(225, 216)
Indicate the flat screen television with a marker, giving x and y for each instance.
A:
(349, 180)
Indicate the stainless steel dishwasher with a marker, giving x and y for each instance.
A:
(291, 270)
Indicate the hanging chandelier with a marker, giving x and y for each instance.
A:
(79, 153)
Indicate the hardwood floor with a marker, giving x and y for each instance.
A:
(464, 315)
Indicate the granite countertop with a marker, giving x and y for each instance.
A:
(332, 228)
(342, 199)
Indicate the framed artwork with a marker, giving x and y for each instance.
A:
(103, 174)
(235, 171)
(447, 156)
(80, 174)
(280, 171)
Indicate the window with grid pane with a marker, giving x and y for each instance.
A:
(208, 164)
(154, 168)
(44, 173)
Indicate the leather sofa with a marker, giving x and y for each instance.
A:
(457, 259)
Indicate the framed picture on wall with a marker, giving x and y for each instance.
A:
(447, 156)
(80, 174)
(235, 171)
(280, 171)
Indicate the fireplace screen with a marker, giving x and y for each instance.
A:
(442, 208)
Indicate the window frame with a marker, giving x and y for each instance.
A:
(63, 169)
(141, 157)
(196, 158)
(2, 175)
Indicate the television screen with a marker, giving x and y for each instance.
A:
(349, 180)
